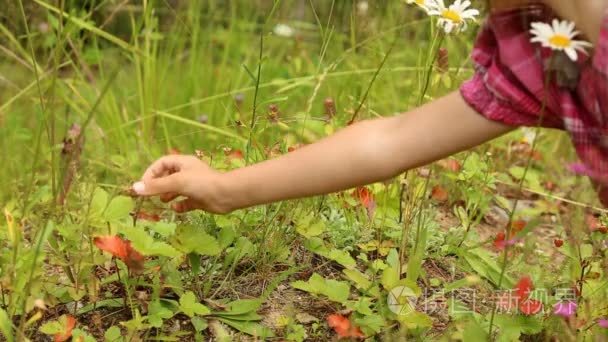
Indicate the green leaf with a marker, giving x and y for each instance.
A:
(242, 248)
(5, 326)
(392, 259)
(390, 278)
(106, 303)
(466, 281)
(242, 306)
(342, 257)
(474, 332)
(316, 245)
(251, 328)
(82, 336)
(361, 281)
(248, 316)
(112, 334)
(307, 228)
(337, 291)
(512, 326)
(164, 229)
(52, 328)
(189, 305)
(224, 221)
(99, 201)
(315, 284)
(119, 208)
(195, 262)
(146, 245)
(361, 305)
(189, 239)
(157, 313)
(226, 237)
(415, 320)
(371, 324)
(199, 323)
(417, 253)
(484, 264)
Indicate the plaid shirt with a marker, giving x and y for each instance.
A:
(509, 86)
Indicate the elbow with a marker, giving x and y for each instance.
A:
(378, 149)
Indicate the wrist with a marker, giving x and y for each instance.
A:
(225, 196)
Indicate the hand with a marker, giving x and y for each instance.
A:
(178, 175)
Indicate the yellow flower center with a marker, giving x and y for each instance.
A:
(419, 2)
(452, 15)
(560, 41)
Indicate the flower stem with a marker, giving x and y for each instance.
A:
(521, 183)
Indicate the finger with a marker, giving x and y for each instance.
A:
(164, 166)
(168, 197)
(159, 186)
(185, 206)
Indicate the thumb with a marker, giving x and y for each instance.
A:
(158, 186)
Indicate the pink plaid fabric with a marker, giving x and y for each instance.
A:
(509, 86)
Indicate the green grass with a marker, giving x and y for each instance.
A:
(137, 78)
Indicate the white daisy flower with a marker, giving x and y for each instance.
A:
(283, 30)
(453, 18)
(529, 135)
(559, 36)
(426, 5)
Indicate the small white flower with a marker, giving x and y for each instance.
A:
(529, 135)
(426, 5)
(559, 36)
(362, 7)
(453, 18)
(283, 30)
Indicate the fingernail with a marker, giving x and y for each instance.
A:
(139, 188)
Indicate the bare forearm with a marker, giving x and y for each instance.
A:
(364, 153)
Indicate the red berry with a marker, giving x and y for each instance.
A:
(558, 243)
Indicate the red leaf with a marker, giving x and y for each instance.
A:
(592, 222)
(558, 242)
(517, 226)
(364, 196)
(112, 244)
(550, 185)
(294, 147)
(576, 290)
(121, 249)
(142, 215)
(450, 164)
(523, 288)
(530, 307)
(499, 240)
(233, 154)
(134, 260)
(438, 193)
(501, 243)
(70, 323)
(343, 327)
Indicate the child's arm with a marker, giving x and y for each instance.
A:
(363, 153)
